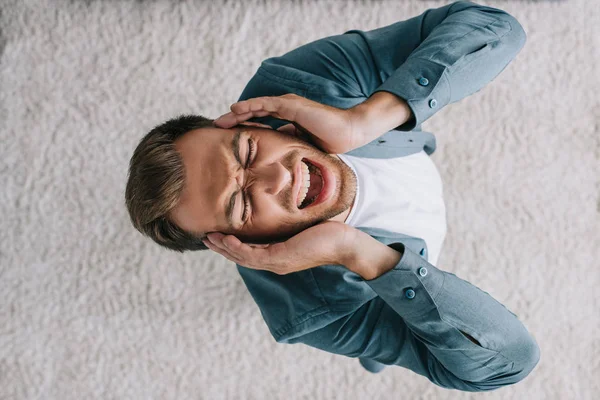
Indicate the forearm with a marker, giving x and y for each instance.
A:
(381, 113)
(465, 330)
(439, 57)
(370, 258)
(468, 332)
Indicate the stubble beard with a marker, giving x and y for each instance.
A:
(345, 190)
(346, 185)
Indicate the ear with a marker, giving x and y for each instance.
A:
(292, 130)
(288, 129)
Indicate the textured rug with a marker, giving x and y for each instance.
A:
(89, 309)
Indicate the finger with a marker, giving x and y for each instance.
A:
(218, 247)
(256, 124)
(252, 255)
(212, 246)
(216, 239)
(258, 246)
(232, 119)
(237, 248)
(264, 103)
(232, 246)
(282, 107)
(228, 120)
(222, 252)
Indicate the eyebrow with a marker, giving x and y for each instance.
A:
(235, 148)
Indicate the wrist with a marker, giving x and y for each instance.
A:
(380, 113)
(370, 258)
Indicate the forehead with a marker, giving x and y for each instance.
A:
(207, 160)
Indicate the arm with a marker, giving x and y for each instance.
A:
(413, 315)
(380, 113)
(428, 331)
(458, 49)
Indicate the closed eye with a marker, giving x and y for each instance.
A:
(250, 152)
(245, 194)
(246, 206)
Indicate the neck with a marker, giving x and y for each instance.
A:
(344, 215)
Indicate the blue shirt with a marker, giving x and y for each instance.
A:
(412, 316)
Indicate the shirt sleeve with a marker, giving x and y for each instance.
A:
(430, 61)
(417, 321)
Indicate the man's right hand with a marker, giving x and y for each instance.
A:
(333, 130)
(329, 242)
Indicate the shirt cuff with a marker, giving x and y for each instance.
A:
(411, 286)
(423, 85)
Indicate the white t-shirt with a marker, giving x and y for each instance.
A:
(403, 195)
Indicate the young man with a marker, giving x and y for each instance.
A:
(336, 221)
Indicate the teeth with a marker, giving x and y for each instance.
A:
(306, 171)
(315, 170)
(305, 183)
(306, 175)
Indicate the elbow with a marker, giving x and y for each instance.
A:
(508, 27)
(529, 358)
(525, 356)
(517, 32)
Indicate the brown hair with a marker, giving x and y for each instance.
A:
(155, 181)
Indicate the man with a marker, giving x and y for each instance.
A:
(336, 220)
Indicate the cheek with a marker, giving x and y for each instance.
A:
(269, 216)
(268, 211)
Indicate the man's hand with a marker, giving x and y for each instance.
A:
(333, 130)
(329, 242)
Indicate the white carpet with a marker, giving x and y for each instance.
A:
(90, 309)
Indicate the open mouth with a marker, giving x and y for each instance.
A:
(311, 184)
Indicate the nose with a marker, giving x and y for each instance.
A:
(272, 178)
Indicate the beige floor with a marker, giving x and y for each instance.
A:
(91, 310)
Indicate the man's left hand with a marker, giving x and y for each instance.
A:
(330, 242)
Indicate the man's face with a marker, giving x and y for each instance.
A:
(270, 174)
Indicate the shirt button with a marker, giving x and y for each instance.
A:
(410, 294)
(423, 81)
(432, 103)
(422, 271)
